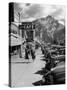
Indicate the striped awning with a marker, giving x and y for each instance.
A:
(14, 40)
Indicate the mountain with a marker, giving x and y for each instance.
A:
(59, 34)
(49, 29)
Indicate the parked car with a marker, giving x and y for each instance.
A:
(56, 75)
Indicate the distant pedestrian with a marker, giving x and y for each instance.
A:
(27, 52)
(50, 62)
(33, 54)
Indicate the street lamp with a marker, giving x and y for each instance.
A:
(20, 33)
(19, 15)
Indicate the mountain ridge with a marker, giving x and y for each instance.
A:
(49, 26)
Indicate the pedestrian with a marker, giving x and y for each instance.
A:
(33, 54)
(27, 52)
(50, 62)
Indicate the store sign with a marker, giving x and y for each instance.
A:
(27, 25)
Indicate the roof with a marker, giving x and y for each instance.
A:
(14, 40)
(15, 23)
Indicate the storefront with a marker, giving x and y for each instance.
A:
(15, 44)
(27, 30)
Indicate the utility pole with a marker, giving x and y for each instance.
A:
(20, 33)
(19, 22)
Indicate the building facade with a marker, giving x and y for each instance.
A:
(27, 30)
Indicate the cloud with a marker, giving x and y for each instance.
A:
(59, 13)
(40, 10)
(34, 11)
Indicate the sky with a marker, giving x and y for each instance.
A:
(34, 11)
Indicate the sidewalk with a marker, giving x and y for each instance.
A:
(23, 74)
(17, 59)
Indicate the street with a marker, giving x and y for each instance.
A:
(24, 71)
